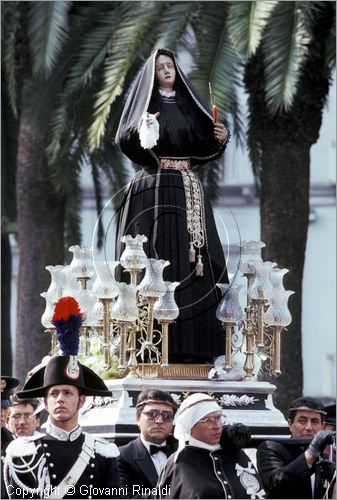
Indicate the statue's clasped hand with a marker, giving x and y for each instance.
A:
(149, 118)
(149, 130)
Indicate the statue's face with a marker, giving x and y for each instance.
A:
(165, 72)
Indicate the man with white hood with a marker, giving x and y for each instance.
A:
(207, 464)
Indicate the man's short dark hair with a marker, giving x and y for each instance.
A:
(154, 396)
(34, 402)
(305, 403)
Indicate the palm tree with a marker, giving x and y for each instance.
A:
(67, 66)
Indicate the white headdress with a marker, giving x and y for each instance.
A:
(192, 409)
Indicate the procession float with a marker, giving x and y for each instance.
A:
(126, 326)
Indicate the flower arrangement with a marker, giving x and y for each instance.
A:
(95, 360)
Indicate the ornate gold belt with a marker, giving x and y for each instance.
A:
(174, 164)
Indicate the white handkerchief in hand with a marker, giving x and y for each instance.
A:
(149, 133)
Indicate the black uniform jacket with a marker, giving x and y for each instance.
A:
(136, 466)
(199, 473)
(99, 479)
(285, 473)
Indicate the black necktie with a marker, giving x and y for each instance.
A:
(154, 449)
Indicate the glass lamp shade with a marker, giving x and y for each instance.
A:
(72, 286)
(261, 287)
(82, 265)
(105, 285)
(96, 316)
(153, 284)
(229, 310)
(86, 301)
(276, 278)
(166, 309)
(49, 310)
(58, 282)
(278, 313)
(250, 253)
(125, 308)
(134, 256)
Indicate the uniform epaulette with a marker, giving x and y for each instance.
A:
(23, 446)
(106, 449)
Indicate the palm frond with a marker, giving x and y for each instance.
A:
(331, 45)
(246, 23)
(238, 129)
(315, 12)
(216, 61)
(133, 29)
(57, 121)
(9, 28)
(68, 165)
(98, 198)
(173, 25)
(310, 11)
(48, 25)
(94, 48)
(285, 47)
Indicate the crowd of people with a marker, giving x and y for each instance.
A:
(181, 452)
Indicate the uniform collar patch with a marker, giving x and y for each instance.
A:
(62, 435)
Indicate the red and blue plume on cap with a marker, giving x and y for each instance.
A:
(67, 319)
(65, 369)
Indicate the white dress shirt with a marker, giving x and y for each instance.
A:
(159, 459)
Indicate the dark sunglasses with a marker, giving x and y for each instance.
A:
(167, 416)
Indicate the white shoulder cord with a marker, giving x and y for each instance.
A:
(11, 469)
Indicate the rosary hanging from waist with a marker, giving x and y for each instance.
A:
(195, 209)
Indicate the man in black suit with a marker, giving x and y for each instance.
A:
(142, 460)
(293, 470)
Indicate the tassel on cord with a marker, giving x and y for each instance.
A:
(199, 268)
(192, 252)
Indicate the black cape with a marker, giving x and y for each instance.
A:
(154, 204)
(199, 473)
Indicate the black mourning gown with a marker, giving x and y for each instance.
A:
(154, 205)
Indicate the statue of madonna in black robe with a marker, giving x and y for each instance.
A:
(156, 201)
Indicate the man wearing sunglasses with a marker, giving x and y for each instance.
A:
(142, 460)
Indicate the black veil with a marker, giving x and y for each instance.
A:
(144, 96)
